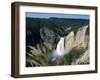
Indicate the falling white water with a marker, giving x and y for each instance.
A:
(60, 47)
(60, 50)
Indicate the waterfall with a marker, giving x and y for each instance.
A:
(59, 51)
(60, 47)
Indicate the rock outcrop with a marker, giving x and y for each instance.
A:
(79, 40)
(49, 38)
(70, 41)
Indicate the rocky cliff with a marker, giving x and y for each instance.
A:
(76, 45)
(78, 42)
(81, 39)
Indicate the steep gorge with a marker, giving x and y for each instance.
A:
(42, 43)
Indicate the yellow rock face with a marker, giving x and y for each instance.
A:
(69, 41)
(79, 40)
